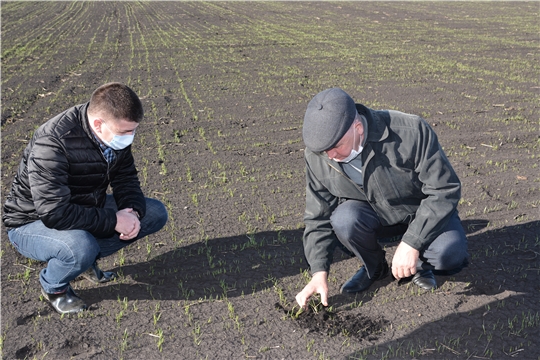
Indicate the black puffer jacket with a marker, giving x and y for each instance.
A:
(63, 179)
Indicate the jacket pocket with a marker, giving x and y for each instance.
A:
(398, 191)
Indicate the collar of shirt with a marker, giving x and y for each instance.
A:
(107, 152)
(353, 170)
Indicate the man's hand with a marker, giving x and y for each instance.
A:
(404, 261)
(127, 224)
(319, 285)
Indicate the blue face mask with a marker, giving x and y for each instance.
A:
(119, 142)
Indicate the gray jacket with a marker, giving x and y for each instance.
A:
(407, 179)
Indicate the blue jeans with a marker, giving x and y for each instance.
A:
(357, 227)
(69, 253)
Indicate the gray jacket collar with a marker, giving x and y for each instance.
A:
(377, 129)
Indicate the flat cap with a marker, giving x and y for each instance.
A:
(328, 117)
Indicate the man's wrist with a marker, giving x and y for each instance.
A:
(320, 274)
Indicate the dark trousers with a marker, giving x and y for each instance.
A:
(358, 227)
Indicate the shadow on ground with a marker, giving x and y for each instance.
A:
(229, 266)
(499, 312)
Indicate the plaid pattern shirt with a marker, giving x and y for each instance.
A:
(108, 153)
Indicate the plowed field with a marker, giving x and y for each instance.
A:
(225, 86)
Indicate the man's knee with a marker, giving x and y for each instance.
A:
(81, 252)
(447, 258)
(452, 260)
(352, 218)
(156, 215)
(342, 225)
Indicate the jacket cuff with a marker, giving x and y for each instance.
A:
(413, 241)
(140, 209)
(320, 265)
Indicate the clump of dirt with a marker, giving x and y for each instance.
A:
(322, 320)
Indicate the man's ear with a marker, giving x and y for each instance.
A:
(359, 126)
(96, 124)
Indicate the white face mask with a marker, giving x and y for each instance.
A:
(354, 153)
(119, 142)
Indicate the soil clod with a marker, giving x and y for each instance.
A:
(322, 320)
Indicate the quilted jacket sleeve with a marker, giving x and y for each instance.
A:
(48, 170)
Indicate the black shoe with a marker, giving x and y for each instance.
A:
(65, 303)
(361, 281)
(425, 279)
(95, 275)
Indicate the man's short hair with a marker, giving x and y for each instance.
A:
(118, 101)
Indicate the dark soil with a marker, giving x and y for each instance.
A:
(320, 319)
(225, 86)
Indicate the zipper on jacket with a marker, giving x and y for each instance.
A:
(348, 178)
(107, 177)
(108, 165)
